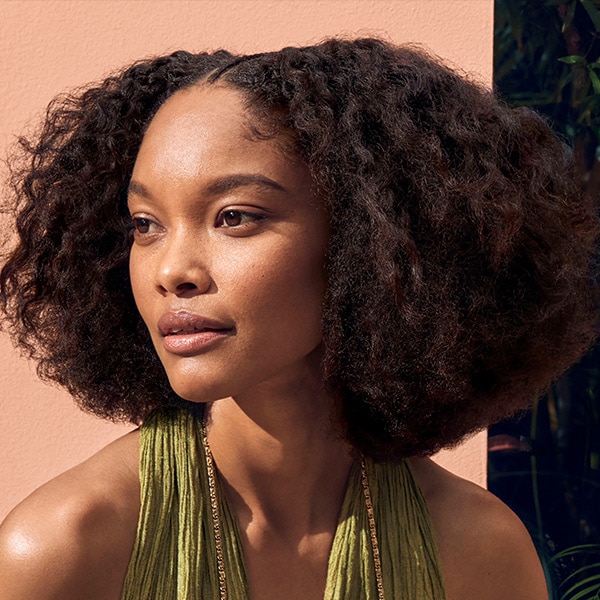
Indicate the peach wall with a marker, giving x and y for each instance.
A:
(48, 46)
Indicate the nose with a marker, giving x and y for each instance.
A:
(181, 270)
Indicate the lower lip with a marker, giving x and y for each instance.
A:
(192, 343)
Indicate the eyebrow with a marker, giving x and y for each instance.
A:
(218, 186)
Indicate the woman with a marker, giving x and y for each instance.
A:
(304, 271)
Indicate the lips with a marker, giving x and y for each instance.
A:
(183, 322)
(187, 333)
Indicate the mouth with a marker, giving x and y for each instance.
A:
(189, 331)
(188, 334)
(186, 323)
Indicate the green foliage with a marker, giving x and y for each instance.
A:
(551, 478)
(571, 423)
(547, 57)
(584, 582)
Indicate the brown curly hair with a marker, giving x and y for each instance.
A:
(460, 266)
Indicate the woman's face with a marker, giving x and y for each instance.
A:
(228, 252)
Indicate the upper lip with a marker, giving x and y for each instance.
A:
(182, 322)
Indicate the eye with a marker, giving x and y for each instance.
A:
(231, 218)
(142, 226)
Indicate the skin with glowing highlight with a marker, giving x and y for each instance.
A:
(226, 229)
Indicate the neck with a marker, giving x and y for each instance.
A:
(280, 457)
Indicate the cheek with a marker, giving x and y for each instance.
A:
(286, 292)
(140, 282)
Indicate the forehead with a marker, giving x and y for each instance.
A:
(207, 127)
(201, 104)
(195, 117)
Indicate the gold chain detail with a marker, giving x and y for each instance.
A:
(372, 529)
(212, 490)
(214, 506)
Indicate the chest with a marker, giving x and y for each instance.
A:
(295, 572)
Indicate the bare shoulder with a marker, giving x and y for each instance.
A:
(72, 538)
(485, 550)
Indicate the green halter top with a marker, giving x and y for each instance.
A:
(174, 557)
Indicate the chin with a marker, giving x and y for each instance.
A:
(194, 391)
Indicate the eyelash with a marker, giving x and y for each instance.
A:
(246, 218)
(138, 223)
(249, 218)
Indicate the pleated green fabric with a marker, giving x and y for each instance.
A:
(174, 557)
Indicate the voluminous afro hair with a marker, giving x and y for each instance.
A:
(460, 265)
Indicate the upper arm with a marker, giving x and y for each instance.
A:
(38, 557)
(498, 559)
(485, 550)
(72, 538)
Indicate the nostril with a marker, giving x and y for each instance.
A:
(186, 287)
(182, 279)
